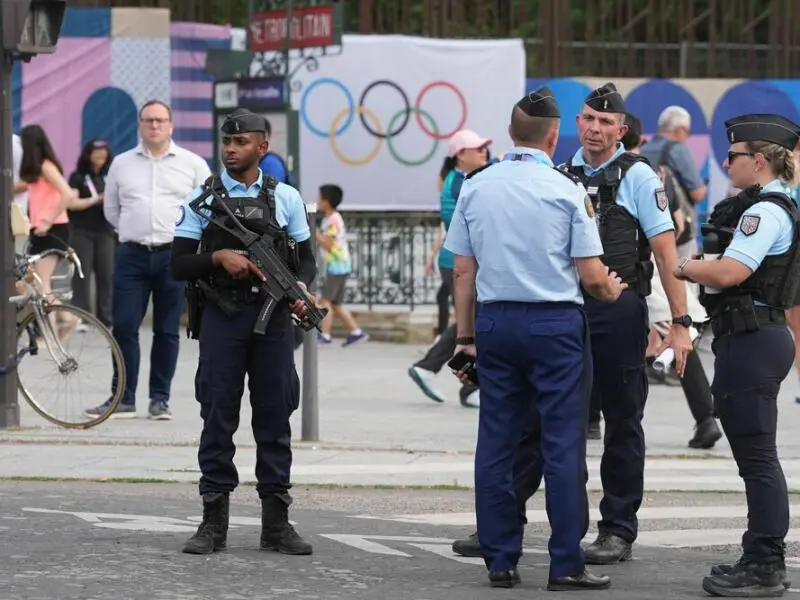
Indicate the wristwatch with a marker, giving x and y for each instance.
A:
(465, 341)
(684, 320)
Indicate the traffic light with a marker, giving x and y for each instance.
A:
(31, 27)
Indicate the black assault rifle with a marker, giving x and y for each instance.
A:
(280, 281)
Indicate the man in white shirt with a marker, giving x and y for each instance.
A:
(145, 188)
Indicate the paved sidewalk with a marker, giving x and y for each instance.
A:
(375, 428)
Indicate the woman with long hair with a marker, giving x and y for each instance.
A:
(466, 152)
(49, 197)
(91, 235)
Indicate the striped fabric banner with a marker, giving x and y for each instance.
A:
(192, 86)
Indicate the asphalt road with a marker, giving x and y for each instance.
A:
(92, 541)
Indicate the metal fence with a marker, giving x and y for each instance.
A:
(389, 252)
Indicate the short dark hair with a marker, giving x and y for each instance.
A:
(155, 102)
(525, 128)
(332, 193)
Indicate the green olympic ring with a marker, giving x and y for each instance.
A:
(404, 112)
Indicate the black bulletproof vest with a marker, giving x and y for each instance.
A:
(256, 214)
(777, 278)
(626, 249)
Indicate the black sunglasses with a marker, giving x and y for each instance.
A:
(732, 155)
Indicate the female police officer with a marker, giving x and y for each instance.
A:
(745, 293)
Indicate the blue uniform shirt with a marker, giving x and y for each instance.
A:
(765, 229)
(289, 209)
(524, 223)
(639, 193)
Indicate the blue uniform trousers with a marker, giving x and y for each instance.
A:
(532, 353)
(229, 350)
(748, 371)
(618, 334)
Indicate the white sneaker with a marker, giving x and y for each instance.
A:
(424, 379)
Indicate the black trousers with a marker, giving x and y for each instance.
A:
(697, 389)
(748, 371)
(96, 249)
(444, 298)
(438, 355)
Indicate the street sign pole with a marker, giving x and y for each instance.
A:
(282, 67)
(9, 405)
(27, 28)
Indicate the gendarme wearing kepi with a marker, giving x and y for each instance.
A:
(243, 121)
(540, 103)
(606, 98)
(748, 277)
(762, 128)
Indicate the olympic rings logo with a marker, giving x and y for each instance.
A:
(344, 118)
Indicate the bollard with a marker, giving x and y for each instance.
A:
(310, 397)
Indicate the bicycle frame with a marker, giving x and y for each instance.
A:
(38, 300)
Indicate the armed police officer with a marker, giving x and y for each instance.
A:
(633, 218)
(232, 299)
(530, 336)
(749, 276)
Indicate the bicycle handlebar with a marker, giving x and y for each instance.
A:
(68, 254)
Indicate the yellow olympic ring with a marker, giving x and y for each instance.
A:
(368, 158)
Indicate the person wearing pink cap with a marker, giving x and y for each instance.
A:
(466, 151)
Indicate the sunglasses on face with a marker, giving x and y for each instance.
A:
(732, 155)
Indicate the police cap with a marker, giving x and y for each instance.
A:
(763, 128)
(540, 103)
(244, 121)
(606, 98)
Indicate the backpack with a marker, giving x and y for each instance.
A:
(678, 198)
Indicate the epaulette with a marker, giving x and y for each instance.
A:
(472, 174)
(573, 178)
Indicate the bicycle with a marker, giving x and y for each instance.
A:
(41, 318)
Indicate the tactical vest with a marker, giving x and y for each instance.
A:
(626, 249)
(774, 283)
(256, 214)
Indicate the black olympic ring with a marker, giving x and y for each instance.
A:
(407, 109)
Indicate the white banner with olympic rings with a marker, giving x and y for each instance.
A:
(376, 119)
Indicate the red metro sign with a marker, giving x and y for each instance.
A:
(310, 27)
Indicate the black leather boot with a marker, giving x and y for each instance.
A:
(706, 434)
(470, 546)
(277, 533)
(748, 580)
(607, 549)
(212, 534)
(582, 581)
(727, 569)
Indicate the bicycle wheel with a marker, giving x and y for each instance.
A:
(61, 347)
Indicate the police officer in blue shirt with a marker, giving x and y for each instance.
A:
(229, 349)
(750, 274)
(633, 219)
(529, 227)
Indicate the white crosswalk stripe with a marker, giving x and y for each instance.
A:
(650, 532)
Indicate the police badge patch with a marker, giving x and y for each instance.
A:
(661, 199)
(749, 224)
(587, 202)
(181, 216)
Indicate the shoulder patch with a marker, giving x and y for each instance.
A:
(749, 224)
(587, 203)
(572, 177)
(181, 215)
(662, 202)
(472, 174)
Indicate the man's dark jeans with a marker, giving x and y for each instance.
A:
(138, 273)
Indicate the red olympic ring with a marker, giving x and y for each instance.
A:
(418, 115)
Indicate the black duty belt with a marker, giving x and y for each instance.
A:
(149, 247)
(766, 314)
(729, 323)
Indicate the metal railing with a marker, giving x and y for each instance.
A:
(388, 253)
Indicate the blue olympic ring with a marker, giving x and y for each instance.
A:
(351, 105)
